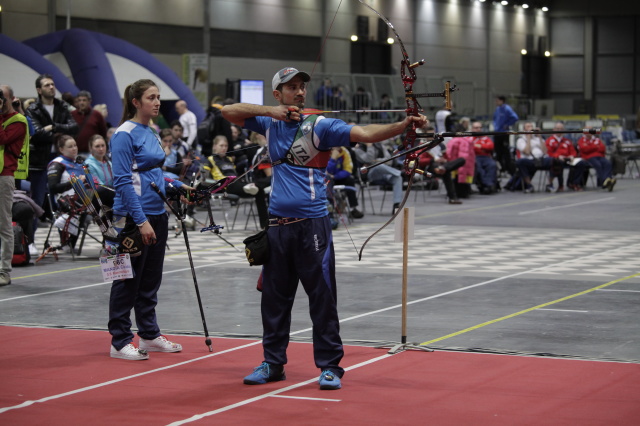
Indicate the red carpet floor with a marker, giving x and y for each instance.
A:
(65, 377)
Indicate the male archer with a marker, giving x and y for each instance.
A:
(299, 231)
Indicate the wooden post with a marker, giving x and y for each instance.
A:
(405, 273)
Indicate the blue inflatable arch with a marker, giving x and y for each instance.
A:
(87, 54)
(34, 61)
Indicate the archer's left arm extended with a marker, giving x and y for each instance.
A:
(238, 113)
(378, 132)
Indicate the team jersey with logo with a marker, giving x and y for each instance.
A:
(135, 153)
(299, 190)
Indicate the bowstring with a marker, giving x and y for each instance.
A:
(335, 209)
(324, 41)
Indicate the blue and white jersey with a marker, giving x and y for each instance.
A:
(133, 147)
(298, 191)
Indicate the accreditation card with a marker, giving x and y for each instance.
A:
(117, 267)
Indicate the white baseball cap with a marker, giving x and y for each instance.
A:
(286, 74)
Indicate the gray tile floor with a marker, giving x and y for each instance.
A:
(553, 274)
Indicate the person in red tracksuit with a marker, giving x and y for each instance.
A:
(593, 151)
(563, 152)
(486, 168)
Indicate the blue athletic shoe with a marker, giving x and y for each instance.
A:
(329, 381)
(264, 373)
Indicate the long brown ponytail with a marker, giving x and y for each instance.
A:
(134, 91)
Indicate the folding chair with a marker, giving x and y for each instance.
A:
(342, 206)
(245, 203)
(72, 220)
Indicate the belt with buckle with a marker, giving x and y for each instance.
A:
(277, 221)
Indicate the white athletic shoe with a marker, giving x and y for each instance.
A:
(159, 344)
(251, 189)
(129, 352)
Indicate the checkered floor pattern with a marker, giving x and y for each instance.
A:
(446, 250)
(557, 253)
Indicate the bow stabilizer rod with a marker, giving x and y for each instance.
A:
(439, 137)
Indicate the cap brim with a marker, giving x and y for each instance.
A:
(305, 77)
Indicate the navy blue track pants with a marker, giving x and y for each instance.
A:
(301, 252)
(139, 293)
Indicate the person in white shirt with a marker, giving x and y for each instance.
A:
(531, 154)
(189, 123)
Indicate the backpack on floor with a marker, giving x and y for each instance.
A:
(20, 247)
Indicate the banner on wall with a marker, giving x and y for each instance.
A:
(195, 74)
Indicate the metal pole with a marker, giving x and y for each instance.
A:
(206, 42)
(68, 14)
(51, 16)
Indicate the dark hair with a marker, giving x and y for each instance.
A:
(502, 98)
(176, 123)
(42, 77)
(94, 138)
(61, 139)
(68, 98)
(131, 92)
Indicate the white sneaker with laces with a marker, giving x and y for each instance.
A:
(159, 344)
(129, 352)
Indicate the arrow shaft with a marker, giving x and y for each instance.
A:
(358, 111)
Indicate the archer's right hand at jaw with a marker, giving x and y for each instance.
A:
(287, 113)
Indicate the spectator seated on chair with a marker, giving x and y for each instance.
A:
(261, 163)
(59, 172)
(340, 168)
(219, 166)
(98, 163)
(564, 155)
(24, 212)
(463, 175)
(486, 168)
(437, 163)
(531, 154)
(384, 174)
(242, 149)
(593, 150)
(172, 166)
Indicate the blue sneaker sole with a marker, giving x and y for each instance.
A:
(254, 382)
(330, 387)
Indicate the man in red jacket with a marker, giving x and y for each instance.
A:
(593, 150)
(13, 134)
(90, 122)
(564, 155)
(486, 168)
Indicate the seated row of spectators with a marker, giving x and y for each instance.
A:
(558, 153)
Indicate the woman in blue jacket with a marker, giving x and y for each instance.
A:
(137, 158)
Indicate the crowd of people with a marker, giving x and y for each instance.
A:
(285, 160)
(216, 147)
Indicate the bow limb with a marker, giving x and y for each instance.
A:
(408, 76)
